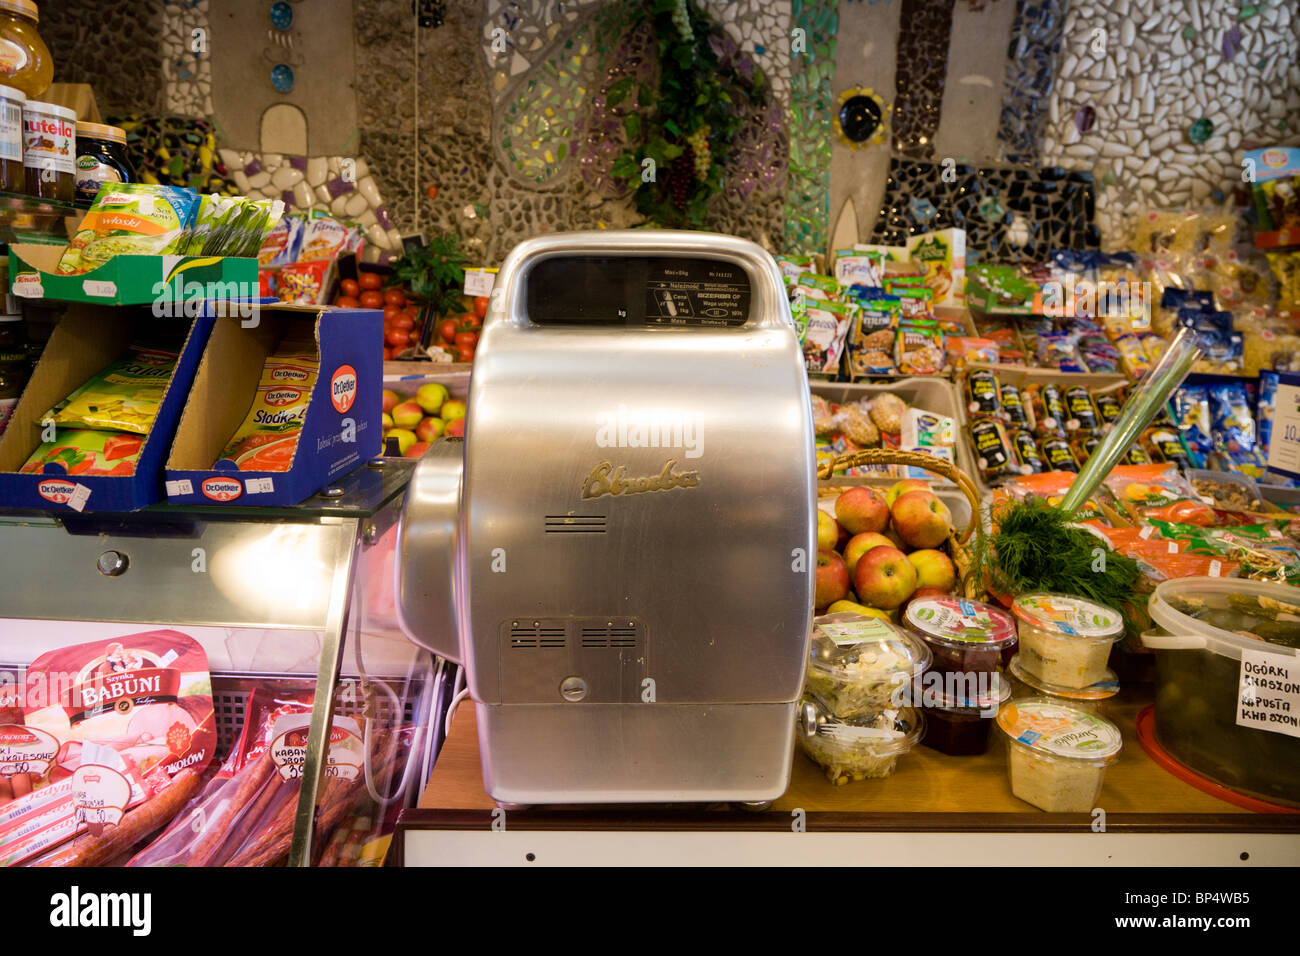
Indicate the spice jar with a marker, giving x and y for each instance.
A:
(49, 135)
(101, 158)
(25, 62)
(13, 178)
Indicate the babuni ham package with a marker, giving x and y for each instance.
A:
(268, 437)
(112, 739)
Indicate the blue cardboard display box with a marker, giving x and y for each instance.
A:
(86, 340)
(340, 429)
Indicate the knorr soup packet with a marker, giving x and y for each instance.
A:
(80, 451)
(123, 397)
(139, 219)
(267, 439)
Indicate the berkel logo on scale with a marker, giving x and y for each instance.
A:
(343, 388)
(221, 489)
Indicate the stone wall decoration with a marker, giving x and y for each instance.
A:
(187, 64)
(1158, 99)
(1030, 71)
(87, 41)
(1009, 214)
(862, 118)
(175, 151)
(810, 125)
(924, 32)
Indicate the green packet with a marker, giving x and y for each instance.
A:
(233, 226)
(140, 219)
(1266, 545)
(816, 286)
(125, 396)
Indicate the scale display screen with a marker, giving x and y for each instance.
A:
(637, 290)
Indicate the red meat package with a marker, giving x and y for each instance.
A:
(245, 815)
(114, 736)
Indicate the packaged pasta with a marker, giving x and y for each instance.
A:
(125, 396)
(130, 219)
(268, 437)
(920, 348)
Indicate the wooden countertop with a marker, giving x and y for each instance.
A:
(929, 790)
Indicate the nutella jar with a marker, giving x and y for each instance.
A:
(49, 137)
(101, 158)
(13, 179)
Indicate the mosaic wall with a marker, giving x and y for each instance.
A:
(925, 27)
(809, 120)
(187, 65)
(1159, 98)
(1030, 71)
(89, 49)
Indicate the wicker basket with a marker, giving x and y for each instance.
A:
(957, 540)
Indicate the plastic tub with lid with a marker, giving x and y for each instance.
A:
(1065, 640)
(1205, 627)
(957, 722)
(1091, 698)
(1058, 754)
(861, 665)
(857, 748)
(964, 636)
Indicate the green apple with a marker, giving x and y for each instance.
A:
(431, 397)
(452, 410)
(828, 531)
(405, 439)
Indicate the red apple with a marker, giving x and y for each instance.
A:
(407, 415)
(832, 578)
(452, 410)
(455, 428)
(933, 569)
(431, 397)
(828, 531)
(862, 509)
(902, 488)
(860, 544)
(391, 399)
(417, 450)
(405, 439)
(920, 593)
(429, 429)
(884, 578)
(921, 519)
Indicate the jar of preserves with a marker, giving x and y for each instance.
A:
(13, 178)
(14, 367)
(25, 62)
(49, 142)
(101, 158)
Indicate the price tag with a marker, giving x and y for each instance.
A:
(28, 285)
(80, 495)
(182, 487)
(479, 281)
(260, 485)
(1269, 697)
(1284, 446)
(101, 288)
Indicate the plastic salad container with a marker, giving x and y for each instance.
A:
(964, 636)
(857, 748)
(959, 725)
(1207, 716)
(1091, 698)
(1065, 640)
(861, 665)
(1058, 755)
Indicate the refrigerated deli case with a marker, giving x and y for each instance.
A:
(286, 603)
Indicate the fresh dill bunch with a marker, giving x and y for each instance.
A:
(1035, 548)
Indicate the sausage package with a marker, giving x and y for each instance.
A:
(113, 735)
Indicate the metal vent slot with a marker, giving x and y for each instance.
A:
(536, 634)
(612, 634)
(575, 524)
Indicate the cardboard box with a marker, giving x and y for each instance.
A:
(86, 340)
(78, 97)
(132, 280)
(341, 428)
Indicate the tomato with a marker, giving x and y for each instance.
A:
(447, 330)
(472, 322)
(413, 337)
(370, 299)
(350, 287)
(396, 338)
(466, 338)
(465, 353)
(481, 305)
(347, 302)
(388, 354)
(391, 314)
(405, 323)
(394, 297)
(371, 280)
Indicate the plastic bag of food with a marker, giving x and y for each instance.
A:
(826, 326)
(920, 348)
(125, 396)
(304, 283)
(858, 267)
(109, 728)
(139, 219)
(268, 437)
(1051, 486)
(1158, 492)
(324, 237)
(282, 243)
(871, 338)
(83, 451)
(1265, 406)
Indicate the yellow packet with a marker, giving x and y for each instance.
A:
(268, 437)
(124, 397)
